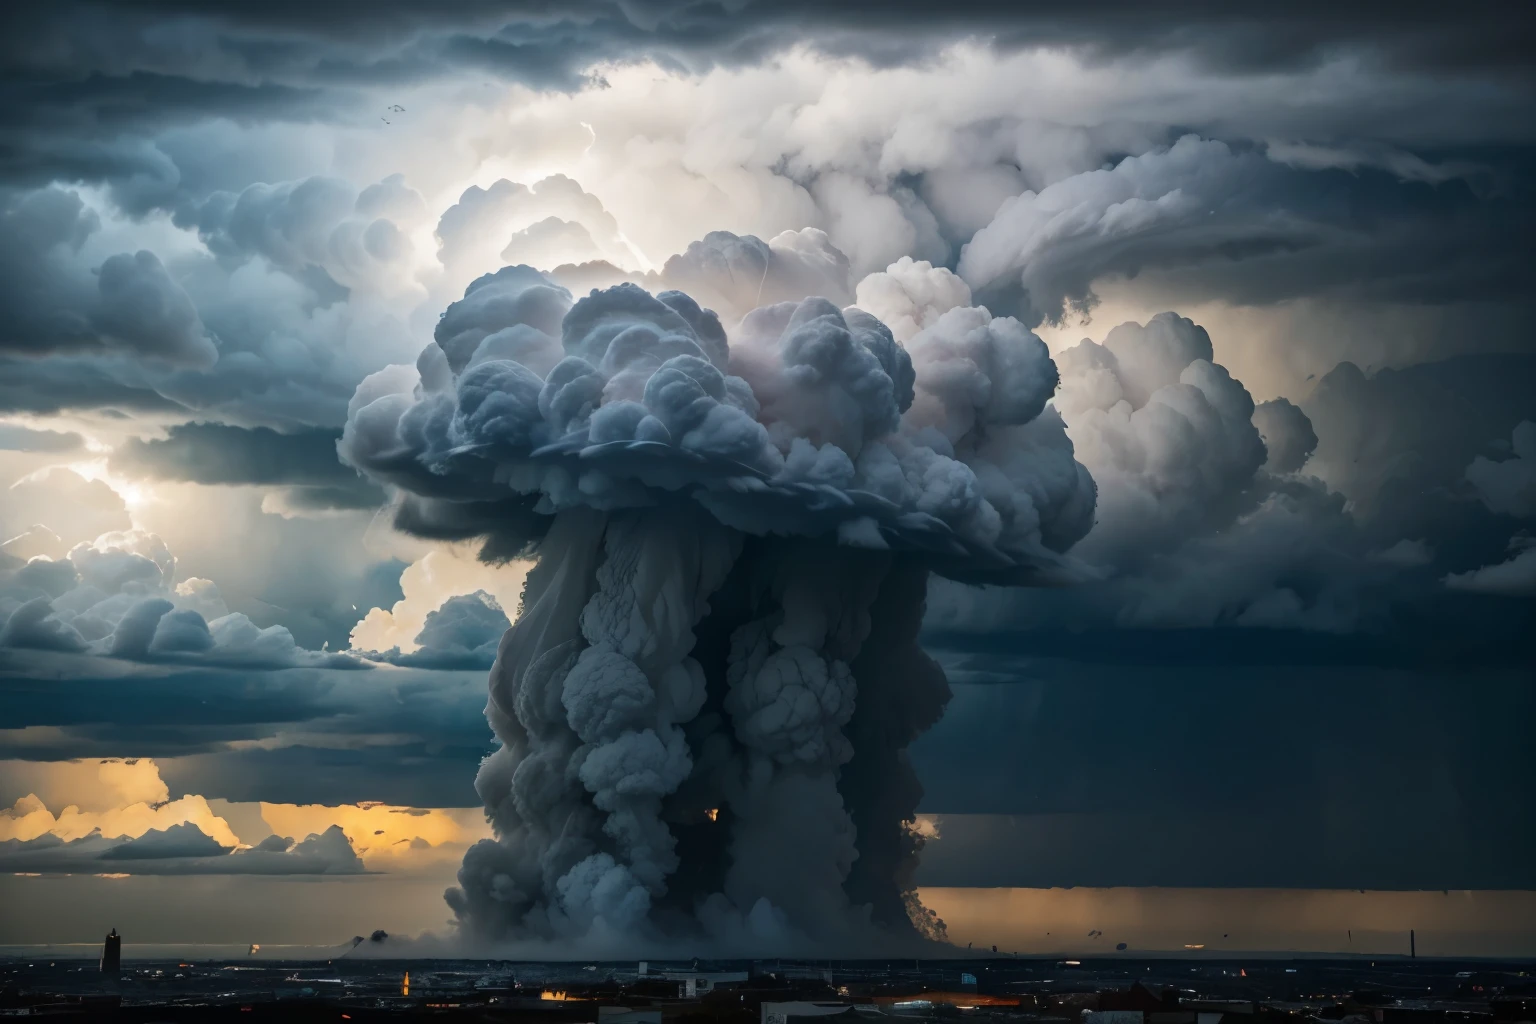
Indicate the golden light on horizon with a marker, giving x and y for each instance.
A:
(557, 995)
(1198, 921)
(713, 814)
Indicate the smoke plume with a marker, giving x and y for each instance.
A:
(705, 700)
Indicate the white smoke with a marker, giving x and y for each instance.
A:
(1167, 433)
(705, 699)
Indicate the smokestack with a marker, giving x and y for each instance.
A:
(1413, 946)
(112, 954)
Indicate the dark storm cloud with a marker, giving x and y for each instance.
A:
(132, 307)
(89, 84)
(1376, 443)
(549, 43)
(216, 453)
(1228, 221)
(1232, 775)
(403, 736)
(16, 438)
(411, 774)
(130, 333)
(1358, 534)
(43, 387)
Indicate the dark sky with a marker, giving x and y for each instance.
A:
(1303, 662)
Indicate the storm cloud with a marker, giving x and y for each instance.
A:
(304, 462)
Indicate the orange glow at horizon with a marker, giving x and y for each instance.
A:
(1205, 922)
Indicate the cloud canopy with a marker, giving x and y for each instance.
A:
(795, 426)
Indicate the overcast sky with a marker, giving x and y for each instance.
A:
(1298, 653)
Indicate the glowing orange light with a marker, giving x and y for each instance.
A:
(405, 986)
(713, 813)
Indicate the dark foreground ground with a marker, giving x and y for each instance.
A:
(1008, 991)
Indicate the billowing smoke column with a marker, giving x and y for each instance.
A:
(705, 700)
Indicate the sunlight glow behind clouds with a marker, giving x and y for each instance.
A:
(440, 574)
(129, 799)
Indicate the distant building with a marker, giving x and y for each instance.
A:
(628, 1015)
(692, 984)
(112, 954)
(784, 1013)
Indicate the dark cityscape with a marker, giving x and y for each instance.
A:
(1119, 990)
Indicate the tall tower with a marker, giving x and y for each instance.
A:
(112, 954)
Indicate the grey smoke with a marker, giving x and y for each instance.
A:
(1287, 433)
(705, 700)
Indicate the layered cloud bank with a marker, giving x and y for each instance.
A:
(128, 825)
